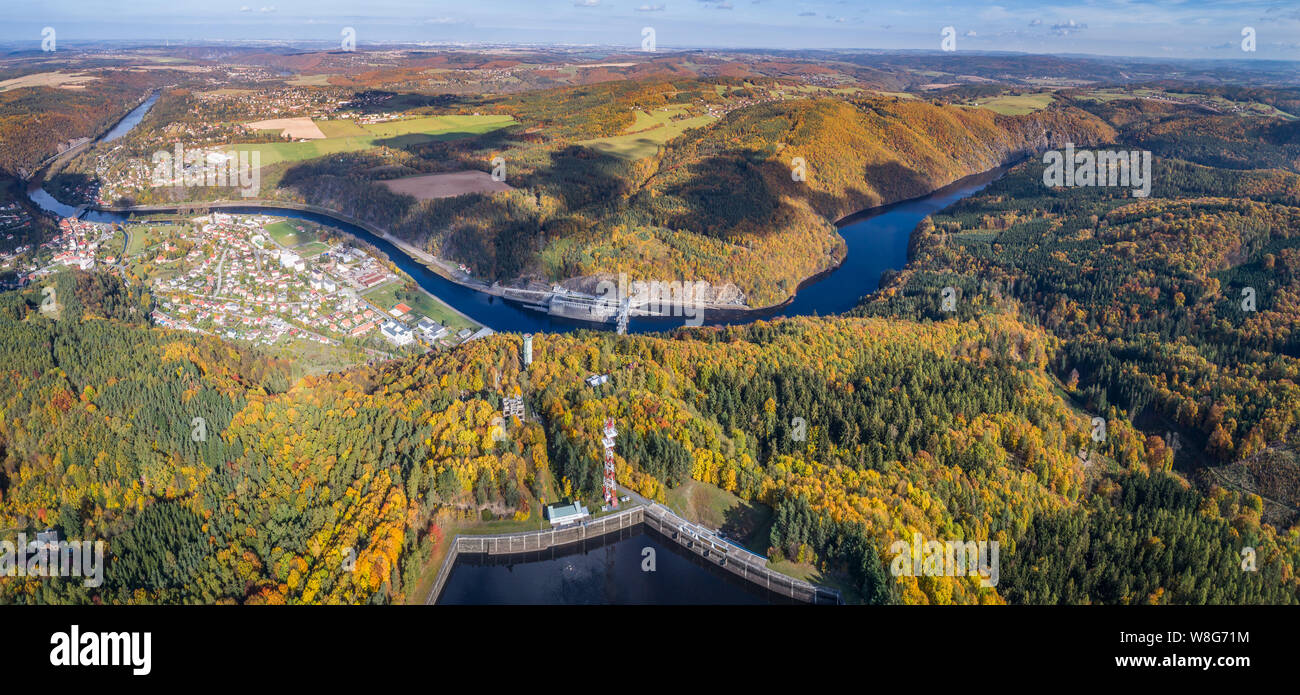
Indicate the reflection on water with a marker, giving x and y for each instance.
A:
(602, 571)
(125, 125)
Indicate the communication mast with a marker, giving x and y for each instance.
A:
(611, 489)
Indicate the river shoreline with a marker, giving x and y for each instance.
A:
(833, 290)
(718, 313)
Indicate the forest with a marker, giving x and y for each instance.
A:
(295, 481)
(716, 204)
(1112, 398)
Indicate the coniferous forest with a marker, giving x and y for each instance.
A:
(1104, 384)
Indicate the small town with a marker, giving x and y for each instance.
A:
(256, 278)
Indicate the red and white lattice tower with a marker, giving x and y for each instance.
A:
(611, 490)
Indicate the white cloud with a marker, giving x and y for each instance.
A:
(1070, 27)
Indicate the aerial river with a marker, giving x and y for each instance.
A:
(611, 570)
(877, 240)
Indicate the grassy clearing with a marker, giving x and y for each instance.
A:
(144, 236)
(340, 128)
(308, 357)
(646, 143)
(309, 81)
(420, 592)
(809, 573)
(288, 234)
(654, 119)
(1017, 104)
(314, 248)
(749, 523)
(386, 296)
(411, 131)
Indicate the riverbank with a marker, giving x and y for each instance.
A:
(858, 262)
(874, 240)
(43, 169)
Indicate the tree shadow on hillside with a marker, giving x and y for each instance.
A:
(410, 139)
(744, 191)
(896, 182)
(74, 188)
(498, 236)
(384, 101)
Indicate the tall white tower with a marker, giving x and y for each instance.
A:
(611, 487)
(528, 349)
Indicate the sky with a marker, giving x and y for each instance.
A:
(1158, 28)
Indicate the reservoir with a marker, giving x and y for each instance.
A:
(606, 570)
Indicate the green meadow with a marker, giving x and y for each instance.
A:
(1017, 104)
(386, 297)
(647, 133)
(286, 233)
(343, 136)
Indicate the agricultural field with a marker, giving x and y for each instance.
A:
(297, 128)
(1016, 104)
(58, 79)
(409, 131)
(340, 128)
(309, 81)
(1216, 103)
(804, 90)
(897, 95)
